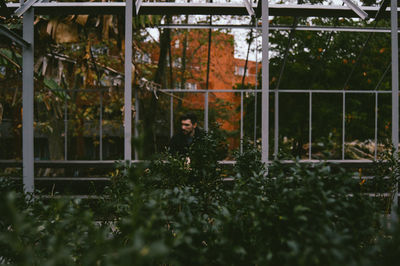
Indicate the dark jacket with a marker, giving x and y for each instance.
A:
(180, 142)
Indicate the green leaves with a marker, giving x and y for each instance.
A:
(175, 213)
(56, 89)
(8, 57)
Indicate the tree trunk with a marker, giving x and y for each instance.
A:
(247, 57)
(184, 47)
(160, 78)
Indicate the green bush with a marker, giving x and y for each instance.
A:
(169, 212)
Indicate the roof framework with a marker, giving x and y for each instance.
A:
(262, 9)
(168, 8)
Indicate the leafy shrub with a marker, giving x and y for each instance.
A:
(169, 212)
(248, 162)
(298, 215)
(59, 232)
(387, 177)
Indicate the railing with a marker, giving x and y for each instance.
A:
(276, 112)
(206, 105)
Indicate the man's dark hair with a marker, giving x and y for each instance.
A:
(191, 116)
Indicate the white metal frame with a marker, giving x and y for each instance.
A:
(262, 9)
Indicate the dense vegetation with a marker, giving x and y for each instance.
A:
(171, 212)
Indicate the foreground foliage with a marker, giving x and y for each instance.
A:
(175, 213)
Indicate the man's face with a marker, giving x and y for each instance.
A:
(188, 127)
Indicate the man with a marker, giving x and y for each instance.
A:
(189, 132)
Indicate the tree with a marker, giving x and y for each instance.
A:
(323, 61)
(72, 53)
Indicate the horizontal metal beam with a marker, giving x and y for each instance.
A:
(280, 90)
(223, 91)
(78, 8)
(276, 27)
(15, 163)
(83, 197)
(168, 8)
(65, 163)
(337, 29)
(239, 9)
(56, 178)
(321, 11)
(343, 163)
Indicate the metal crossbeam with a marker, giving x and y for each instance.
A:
(24, 7)
(249, 7)
(277, 27)
(138, 5)
(361, 13)
(168, 8)
(13, 36)
(350, 163)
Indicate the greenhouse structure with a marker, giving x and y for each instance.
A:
(259, 11)
(199, 132)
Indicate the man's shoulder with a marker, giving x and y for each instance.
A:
(177, 135)
(199, 133)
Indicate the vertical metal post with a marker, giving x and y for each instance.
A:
(101, 126)
(255, 117)
(255, 93)
(376, 126)
(206, 111)
(276, 124)
(171, 116)
(343, 122)
(395, 93)
(137, 117)
(128, 82)
(395, 75)
(265, 82)
(65, 127)
(28, 102)
(310, 127)
(241, 122)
